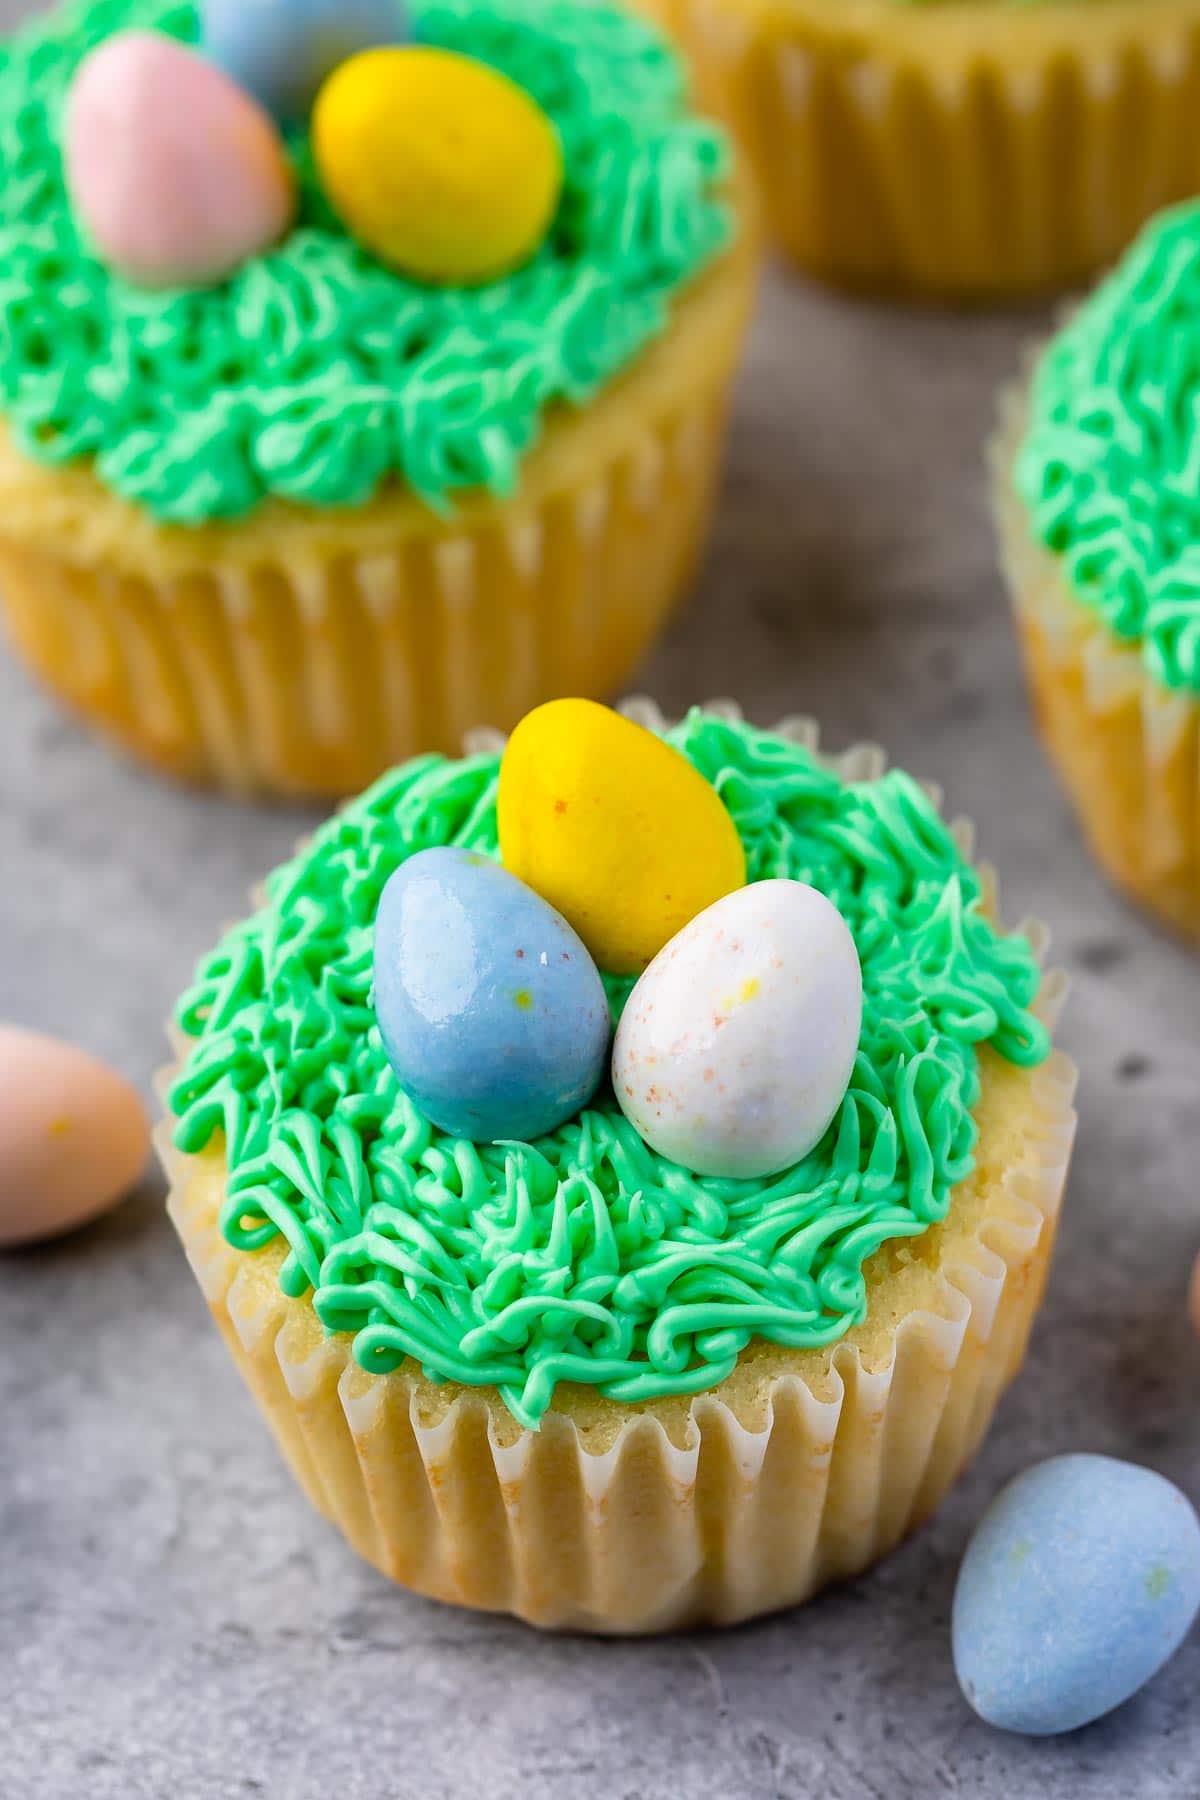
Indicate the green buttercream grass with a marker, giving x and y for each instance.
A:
(315, 374)
(585, 1257)
(1110, 466)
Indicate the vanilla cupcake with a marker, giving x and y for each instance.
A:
(1095, 490)
(281, 529)
(571, 1377)
(963, 149)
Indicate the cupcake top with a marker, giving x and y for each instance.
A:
(585, 1255)
(315, 372)
(1110, 465)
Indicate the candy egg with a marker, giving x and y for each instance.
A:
(1081, 1580)
(491, 1011)
(439, 165)
(282, 50)
(175, 174)
(737, 1045)
(73, 1137)
(614, 828)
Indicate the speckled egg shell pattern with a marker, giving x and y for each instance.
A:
(1080, 1581)
(491, 1011)
(315, 374)
(584, 1256)
(738, 1043)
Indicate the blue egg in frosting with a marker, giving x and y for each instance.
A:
(282, 50)
(490, 1008)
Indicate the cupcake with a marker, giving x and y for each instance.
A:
(728, 1322)
(304, 467)
(1094, 473)
(965, 149)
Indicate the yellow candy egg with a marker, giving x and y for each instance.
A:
(437, 164)
(614, 828)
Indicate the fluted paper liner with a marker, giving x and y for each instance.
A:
(306, 652)
(801, 1468)
(958, 150)
(1126, 746)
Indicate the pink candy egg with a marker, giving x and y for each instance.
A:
(73, 1137)
(176, 175)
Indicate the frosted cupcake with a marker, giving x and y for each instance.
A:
(283, 524)
(963, 148)
(1095, 482)
(607, 1376)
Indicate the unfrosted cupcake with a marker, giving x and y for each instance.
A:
(282, 531)
(573, 1378)
(1095, 473)
(957, 148)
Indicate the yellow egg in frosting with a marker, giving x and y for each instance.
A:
(440, 166)
(614, 828)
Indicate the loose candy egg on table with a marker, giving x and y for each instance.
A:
(737, 1045)
(282, 50)
(614, 828)
(1081, 1580)
(439, 165)
(491, 1011)
(175, 174)
(73, 1137)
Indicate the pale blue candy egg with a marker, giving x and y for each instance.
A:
(1081, 1580)
(491, 1010)
(282, 50)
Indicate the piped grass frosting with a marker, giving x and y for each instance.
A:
(1109, 469)
(584, 1257)
(315, 374)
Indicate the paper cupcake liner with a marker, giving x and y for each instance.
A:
(969, 151)
(306, 653)
(1126, 747)
(800, 1470)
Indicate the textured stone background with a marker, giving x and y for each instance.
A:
(173, 1619)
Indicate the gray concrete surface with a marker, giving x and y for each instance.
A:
(176, 1625)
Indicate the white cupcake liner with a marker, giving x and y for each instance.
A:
(959, 152)
(801, 1469)
(1126, 747)
(305, 651)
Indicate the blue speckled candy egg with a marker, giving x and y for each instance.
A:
(491, 1010)
(282, 50)
(1082, 1579)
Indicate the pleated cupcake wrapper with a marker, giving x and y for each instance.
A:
(313, 680)
(730, 1517)
(350, 645)
(1126, 747)
(956, 156)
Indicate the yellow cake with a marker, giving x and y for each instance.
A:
(657, 1509)
(961, 149)
(1091, 491)
(282, 532)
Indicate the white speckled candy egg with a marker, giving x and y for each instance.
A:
(737, 1045)
(73, 1137)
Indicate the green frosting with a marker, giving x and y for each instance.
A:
(586, 1257)
(314, 373)
(1110, 466)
